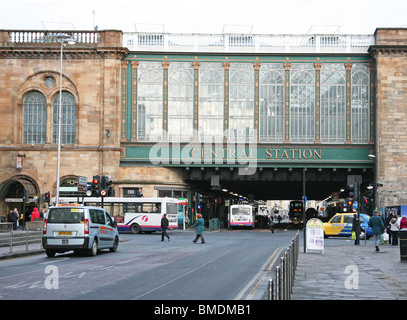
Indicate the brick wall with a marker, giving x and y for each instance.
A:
(390, 53)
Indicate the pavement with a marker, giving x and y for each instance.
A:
(21, 249)
(342, 272)
(351, 272)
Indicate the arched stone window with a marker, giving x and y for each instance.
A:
(35, 118)
(68, 119)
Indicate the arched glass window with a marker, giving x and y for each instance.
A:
(35, 118)
(302, 103)
(360, 103)
(333, 103)
(68, 120)
(180, 101)
(272, 99)
(149, 101)
(211, 96)
(241, 102)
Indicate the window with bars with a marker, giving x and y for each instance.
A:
(180, 101)
(333, 103)
(272, 98)
(35, 118)
(68, 118)
(241, 103)
(360, 129)
(211, 101)
(149, 101)
(302, 103)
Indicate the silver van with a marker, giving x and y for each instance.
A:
(78, 228)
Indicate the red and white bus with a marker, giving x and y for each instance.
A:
(241, 215)
(136, 215)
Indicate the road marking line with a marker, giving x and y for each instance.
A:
(272, 258)
(181, 276)
(256, 287)
(55, 260)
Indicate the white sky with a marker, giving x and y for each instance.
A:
(204, 16)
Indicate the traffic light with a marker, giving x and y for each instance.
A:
(106, 185)
(46, 197)
(95, 187)
(353, 190)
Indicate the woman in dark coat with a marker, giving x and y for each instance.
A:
(200, 228)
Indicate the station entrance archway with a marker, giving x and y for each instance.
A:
(275, 183)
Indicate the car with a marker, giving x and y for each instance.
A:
(78, 228)
(341, 225)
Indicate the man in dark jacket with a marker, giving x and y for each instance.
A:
(377, 225)
(164, 226)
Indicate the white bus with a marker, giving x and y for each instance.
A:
(241, 215)
(136, 214)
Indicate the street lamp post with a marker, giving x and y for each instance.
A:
(63, 38)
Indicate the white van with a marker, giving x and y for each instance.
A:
(78, 228)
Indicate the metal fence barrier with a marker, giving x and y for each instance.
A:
(12, 239)
(280, 287)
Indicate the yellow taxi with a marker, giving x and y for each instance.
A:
(341, 225)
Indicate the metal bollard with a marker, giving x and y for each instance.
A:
(278, 283)
(270, 290)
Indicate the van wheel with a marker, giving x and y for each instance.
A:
(94, 249)
(50, 253)
(115, 245)
(135, 228)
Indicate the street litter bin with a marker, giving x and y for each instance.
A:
(213, 224)
(403, 244)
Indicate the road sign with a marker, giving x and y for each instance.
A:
(82, 184)
(103, 193)
(355, 205)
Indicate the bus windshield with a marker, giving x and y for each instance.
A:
(241, 210)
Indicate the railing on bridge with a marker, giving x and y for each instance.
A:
(198, 42)
(25, 36)
(247, 43)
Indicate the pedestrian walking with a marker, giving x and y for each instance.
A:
(356, 228)
(271, 223)
(403, 223)
(377, 225)
(394, 231)
(200, 228)
(164, 226)
(35, 214)
(387, 223)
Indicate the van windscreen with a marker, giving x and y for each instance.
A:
(66, 215)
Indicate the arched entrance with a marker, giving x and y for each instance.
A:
(19, 192)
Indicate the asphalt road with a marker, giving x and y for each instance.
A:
(232, 265)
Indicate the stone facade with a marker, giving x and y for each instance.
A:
(92, 74)
(390, 53)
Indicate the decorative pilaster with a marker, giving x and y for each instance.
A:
(287, 68)
(134, 65)
(372, 101)
(348, 68)
(166, 65)
(256, 66)
(124, 100)
(317, 102)
(196, 65)
(226, 66)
